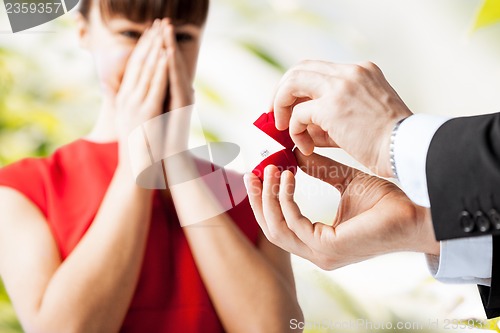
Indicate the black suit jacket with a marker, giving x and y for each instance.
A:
(463, 179)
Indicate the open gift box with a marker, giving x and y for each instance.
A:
(283, 159)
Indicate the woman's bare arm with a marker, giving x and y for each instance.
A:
(91, 290)
(252, 288)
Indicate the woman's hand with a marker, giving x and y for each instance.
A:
(181, 97)
(144, 85)
(374, 216)
(155, 68)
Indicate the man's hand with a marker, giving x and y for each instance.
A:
(348, 106)
(374, 215)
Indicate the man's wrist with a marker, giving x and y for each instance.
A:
(386, 156)
(392, 144)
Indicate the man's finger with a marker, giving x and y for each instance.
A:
(321, 137)
(299, 84)
(270, 202)
(254, 190)
(303, 115)
(278, 231)
(297, 222)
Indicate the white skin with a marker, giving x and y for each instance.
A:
(340, 105)
(352, 107)
(92, 289)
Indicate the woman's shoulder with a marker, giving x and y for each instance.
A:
(35, 176)
(27, 177)
(70, 152)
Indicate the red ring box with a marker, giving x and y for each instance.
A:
(283, 159)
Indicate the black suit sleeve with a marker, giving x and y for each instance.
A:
(463, 177)
(463, 180)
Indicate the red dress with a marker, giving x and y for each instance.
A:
(69, 186)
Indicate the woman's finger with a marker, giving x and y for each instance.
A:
(137, 59)
(181, 91)
(158, 87)
(150, 69)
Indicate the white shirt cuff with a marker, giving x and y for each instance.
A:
(465, 260)
(411, 145)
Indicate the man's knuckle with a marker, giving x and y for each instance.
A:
(294, 76)
(345, 87)
(359, 71)
(370, 66)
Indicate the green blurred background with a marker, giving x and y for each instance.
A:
(442, 56)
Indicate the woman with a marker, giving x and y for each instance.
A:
(84, 249)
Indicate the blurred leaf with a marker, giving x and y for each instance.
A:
(263, 55)
(488, 14)
(209, 93)
(8, 319)
(210, 136)
(491, 324)
(3, 293)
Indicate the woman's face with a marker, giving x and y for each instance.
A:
(112, 41)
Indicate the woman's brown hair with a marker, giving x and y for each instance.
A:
(179, 11)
